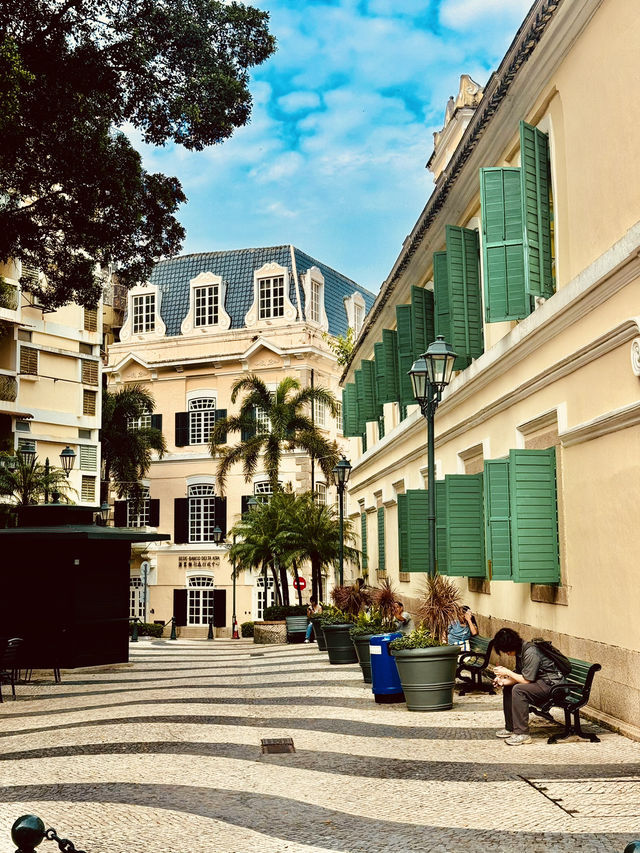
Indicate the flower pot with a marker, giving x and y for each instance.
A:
(339, 645)
(319, 633)
(427, 676)
(363, 651)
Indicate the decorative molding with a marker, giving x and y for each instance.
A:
(314, 274)
(635, 356)
(224, 320)
(623, 418)
(159, 331)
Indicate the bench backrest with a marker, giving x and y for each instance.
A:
(581, 676)
(479, 644)
(296, 623)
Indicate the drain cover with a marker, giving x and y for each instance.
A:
(277, 744)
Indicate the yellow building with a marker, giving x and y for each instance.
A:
(527, 259)
(203, 322)
(50, 393)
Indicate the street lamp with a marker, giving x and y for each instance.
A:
(430, 375)
(28, 456)
(67, 458)
(341, 478)
(103, 515)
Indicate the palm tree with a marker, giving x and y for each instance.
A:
(24, 483)
(284, 426)
(126, 451)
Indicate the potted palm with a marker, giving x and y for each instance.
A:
(426, 662)
(379, 619)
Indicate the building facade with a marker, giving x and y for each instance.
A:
(203, 322)
(527, 259)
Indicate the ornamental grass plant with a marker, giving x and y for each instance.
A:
(439, 606)
(352, 599)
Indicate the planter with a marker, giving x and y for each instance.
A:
(363, 652)
(427, 676)
(339, 645)
(319, 633)
(269, 632)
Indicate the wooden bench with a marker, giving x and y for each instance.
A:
(474, 663)
(572, 695)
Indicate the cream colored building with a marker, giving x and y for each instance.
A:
(203, 322)
(527, 258)
(50, 392)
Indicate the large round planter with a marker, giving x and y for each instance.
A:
(427, 676)
(319, 633)
(339, 645)
(363, 651)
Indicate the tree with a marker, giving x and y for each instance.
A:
(127, 445)
(23, 483)
(74, 198)
(288, 427)
(341, 345)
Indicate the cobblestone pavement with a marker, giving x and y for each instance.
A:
(163, 754)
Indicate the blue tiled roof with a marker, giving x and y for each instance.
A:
(236, 268)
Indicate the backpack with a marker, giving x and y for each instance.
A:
(549, 650)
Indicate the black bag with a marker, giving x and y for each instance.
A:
(549, 650)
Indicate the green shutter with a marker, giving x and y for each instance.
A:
(363, 539)
(536, 210)
(465, 525)
(441, 296)
(369, 410)
(441, 528)
(497, 518)
(381, 554)
(418, 527)
(403, 533)
(423, 319)
(381, 374)
(503, 245)
(391, 369)
(465, 306)
(349, 411)
(534, 516)
(360, 401)
(404, 319)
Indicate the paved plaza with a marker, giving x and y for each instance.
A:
(163, 754)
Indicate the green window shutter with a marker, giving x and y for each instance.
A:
(534, 516)
(417, 511)
(363, 539)
(404, 319)
(403, 533)
(465, 306)
(391, 369)
(536, 210)
(349, 411)
(441, 296)
(441, 528)
(423, 319)
(381, 376)
(503, 245)
(360, 401)
(465, 525)
(497, 518)
(381, 555)
(368, 402)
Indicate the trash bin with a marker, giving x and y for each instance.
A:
(386, 685)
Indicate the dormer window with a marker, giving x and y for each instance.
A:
(356, 310)
(358, 318)
(207, 305)
(316, 289)
(271, 297)
(144, 313)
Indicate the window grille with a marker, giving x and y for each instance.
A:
(88, 457)
(88, 489)
(263, 422)
(200, 600)
(202, 512)
(271, 297)
(89, 402)
(202, 418)
(89, 372)
(144, 313)
(143, 422)
(138, 513)
(206, 300)
(91, 319)
(321, 493)
(320, 413)
(315, 301)
(29, 361)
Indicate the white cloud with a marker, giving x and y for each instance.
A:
(463, 14)
(299, 101)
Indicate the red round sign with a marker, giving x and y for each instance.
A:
(299, 583)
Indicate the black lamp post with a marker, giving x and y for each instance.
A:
(217, 538)
(341, 478)
(430, 375)
(67, 458)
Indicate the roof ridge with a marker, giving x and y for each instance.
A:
(223, 252)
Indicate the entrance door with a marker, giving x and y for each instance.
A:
(136, 599)
(200, 600)
(261, 602)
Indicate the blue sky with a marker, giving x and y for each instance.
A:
(334, 157)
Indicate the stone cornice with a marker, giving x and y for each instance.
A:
(622, 418)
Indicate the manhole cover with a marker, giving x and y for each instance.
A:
(277, 744)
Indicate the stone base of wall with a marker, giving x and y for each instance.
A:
(270, 632)
(615, 694)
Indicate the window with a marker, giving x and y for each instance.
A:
(321, 494)
(84, 433)
(271, 297)
(89, 402)
(202, 512)
(200, 600)
(263, 601)
(138, 512)
(85, 349)
(206, 301)
(24, 335)
(136, 598)
(88, 490)
(88, 457)
(263, 422)
(23, 426)
(142, 422)
(316, 292)
(29, 361)
(320, 413)
(358, 318)
(91, 319)
(262, 491)
(339, 416)
(202, 418)
(144, 313)
(89, 372)
(381, 543)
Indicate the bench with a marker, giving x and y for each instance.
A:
(475, 663)
(296, 625)
(572, 695)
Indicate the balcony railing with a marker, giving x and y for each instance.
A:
(8, 388)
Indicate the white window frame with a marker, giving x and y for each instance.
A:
(206, 305)
(263, 421)
(271, 297)
(200, 598)
(139, 517)
(136, 598)
(202, 418)
(320, 411)
(143, 310)
(261, 604)
(316, 293)
(141, 422)
(339, 424)
(322, 494)
(202, 512)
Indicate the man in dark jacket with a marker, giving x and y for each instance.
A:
(534, 676)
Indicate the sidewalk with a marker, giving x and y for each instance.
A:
(163, 755)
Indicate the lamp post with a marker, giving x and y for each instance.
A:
(430, 374)
(217, 538)
(341, 478)
(67, 459)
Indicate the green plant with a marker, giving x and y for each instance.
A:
(419, 638)
(440, 606)
(385, 598)
(341, 345)
(334, 617)
(369, 623)
(246, 629)
(147, 629)
(277, 612)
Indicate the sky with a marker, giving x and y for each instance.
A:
(333, 159)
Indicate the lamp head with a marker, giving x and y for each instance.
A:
(341, 472)
(67, 459)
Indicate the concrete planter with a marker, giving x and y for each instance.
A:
(427, 676)
(363, 651)
(270, 632)
(339, 646)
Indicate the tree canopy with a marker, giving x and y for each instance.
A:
(74, 197)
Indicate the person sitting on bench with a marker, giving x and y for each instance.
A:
(534, 676)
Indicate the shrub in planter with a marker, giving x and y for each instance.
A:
(246, 629)
(147, 629)
(279, 612)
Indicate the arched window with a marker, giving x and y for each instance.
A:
(200, 599)
(202, 512)
(202, 418)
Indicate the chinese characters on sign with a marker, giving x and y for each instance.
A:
(198, 561)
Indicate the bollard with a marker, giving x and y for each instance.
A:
(210, 634)
(134, 633)
(632, 847)
(173, 629)
(27, 832)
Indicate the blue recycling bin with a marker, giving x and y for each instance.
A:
(386, 686)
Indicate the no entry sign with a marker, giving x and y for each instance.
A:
(299, 583)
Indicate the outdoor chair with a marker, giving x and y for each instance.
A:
(9, 664)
